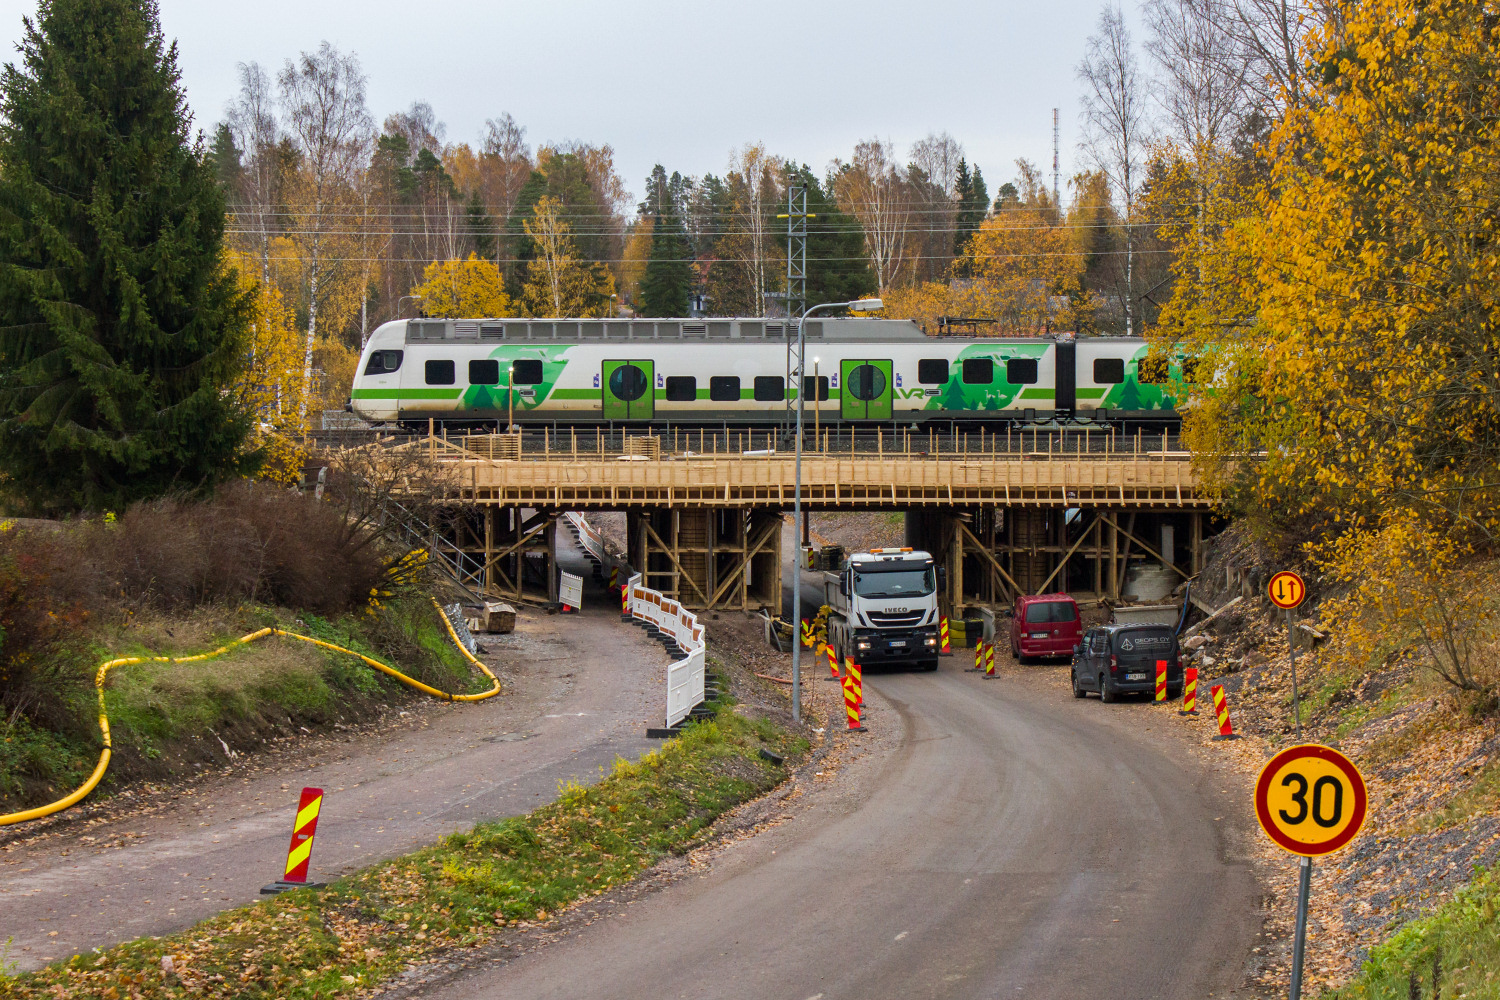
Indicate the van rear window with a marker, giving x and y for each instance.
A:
(1142, 641)
(1051, 611)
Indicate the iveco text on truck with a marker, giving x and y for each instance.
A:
(884, 608)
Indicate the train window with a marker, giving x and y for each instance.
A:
(865, 382)
(440, 373)
(1020, 371)
(979, 371)
(628, 383)
(484, 372)
(770, 388)
(818, 393)
(932, 371)
(383, 362)
(724, 388)
(526, 371)
(682, 388)
(1109, 371)
(1151, 371)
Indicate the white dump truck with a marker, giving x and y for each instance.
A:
(884, 608)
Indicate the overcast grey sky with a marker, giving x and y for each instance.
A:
(673, 82)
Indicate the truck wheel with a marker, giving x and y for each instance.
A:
(931, 665)
(1105, 694)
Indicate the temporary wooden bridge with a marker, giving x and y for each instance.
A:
(1006, 513)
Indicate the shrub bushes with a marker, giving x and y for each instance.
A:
(249, 542)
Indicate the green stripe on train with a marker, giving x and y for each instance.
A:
(405, 393)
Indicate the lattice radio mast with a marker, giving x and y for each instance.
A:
(1056, 144)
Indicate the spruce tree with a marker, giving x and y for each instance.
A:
(120, 326)
(668, 280)
(973, 201)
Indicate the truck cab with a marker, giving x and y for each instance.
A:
(884, 608)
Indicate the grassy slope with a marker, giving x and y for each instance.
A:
(367, 928)
(1452, 952)
(155, 708)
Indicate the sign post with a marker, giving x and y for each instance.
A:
(1287, 591)
(1310, 800)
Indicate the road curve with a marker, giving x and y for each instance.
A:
(580, 692)
(999, 840)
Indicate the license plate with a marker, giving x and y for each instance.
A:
(1040, 635)
(898, 642)
(1135, 677)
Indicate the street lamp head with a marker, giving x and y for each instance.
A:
(866, 305)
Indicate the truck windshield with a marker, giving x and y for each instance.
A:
(902, 583)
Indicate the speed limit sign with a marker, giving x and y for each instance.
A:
(1311, 800)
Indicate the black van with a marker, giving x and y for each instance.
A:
(1121, 659)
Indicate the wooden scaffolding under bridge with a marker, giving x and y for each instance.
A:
(1005, 513)
(710, 559)
(514, 548)
(992, 555)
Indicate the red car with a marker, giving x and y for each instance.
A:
(1046, 625)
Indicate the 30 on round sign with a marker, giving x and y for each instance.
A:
(1311, 800)
(1286, 590)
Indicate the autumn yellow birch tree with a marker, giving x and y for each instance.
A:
(557, 282)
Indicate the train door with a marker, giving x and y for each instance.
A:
(866, 390)
(1066, 396)
(628, 388)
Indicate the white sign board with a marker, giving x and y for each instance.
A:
(570, 590)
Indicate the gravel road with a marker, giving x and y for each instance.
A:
(580, 690)
(990, 839)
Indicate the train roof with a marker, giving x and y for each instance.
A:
(827, 330)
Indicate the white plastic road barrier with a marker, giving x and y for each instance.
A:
(570, 590)
(593, 544)
(684, 677)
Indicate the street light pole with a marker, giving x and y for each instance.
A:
(862, 305)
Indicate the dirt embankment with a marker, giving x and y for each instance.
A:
(1429, 766)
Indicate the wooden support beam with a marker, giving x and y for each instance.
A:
(528, 536)
(1157, 555)
(1015, 588)
(1082, 537)
(682, 573)
(739, 568)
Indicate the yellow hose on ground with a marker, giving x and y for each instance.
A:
(82, 790)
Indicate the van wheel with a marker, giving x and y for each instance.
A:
(1078, 692)
(1105, 694)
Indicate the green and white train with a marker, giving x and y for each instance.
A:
(715, 371)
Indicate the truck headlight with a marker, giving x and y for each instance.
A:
(929, 641)
(861, 645)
